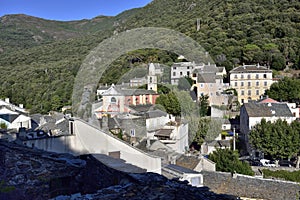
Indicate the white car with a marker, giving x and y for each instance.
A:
(267, 163)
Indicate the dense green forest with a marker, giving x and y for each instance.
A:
(39, 58)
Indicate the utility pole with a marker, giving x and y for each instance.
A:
(233, 139)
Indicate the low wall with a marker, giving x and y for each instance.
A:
(251, 187)
(90, 140)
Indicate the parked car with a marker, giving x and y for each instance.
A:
(285, 163)
(267, 163)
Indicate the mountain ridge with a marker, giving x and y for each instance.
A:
(232, 31)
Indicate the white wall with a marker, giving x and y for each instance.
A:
(180, 138)
(89, 139)
(156, 123)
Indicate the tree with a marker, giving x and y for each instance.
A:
(185, 83)
(188, 107)
(203, 105)
(287, 89)
(3, 125)
(170, 103)
(228, 161)
(207, 130)
(278, 140)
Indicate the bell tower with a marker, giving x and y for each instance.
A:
(152, 78)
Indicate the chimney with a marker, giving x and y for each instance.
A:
(7, 100)
(148, 143)
(21, 105)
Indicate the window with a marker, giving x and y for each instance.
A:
(242, 76)
(132, 132)
(257, 83)
(257, 76)
(150, 80)
(249, 76)
(249, 92)
(201, 85)
(257, 92)
(210, 85)
(188, 73)
(265, 83)
(242, 84)
(113, 100)
(265, 75)
(174, 68)
(180, 73)
(235, 76)
(174, 73)
(249, 84)
(235, 84)
(242, 92)
(188, 67)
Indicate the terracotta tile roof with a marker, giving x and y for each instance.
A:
(267, 100)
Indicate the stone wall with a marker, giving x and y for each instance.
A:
(251, 187)
(30, 173)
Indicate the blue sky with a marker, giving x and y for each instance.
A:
(68, 9)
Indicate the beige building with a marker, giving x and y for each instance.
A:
(250, 81)
(208, 80)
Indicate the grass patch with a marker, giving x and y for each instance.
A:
(282, 174)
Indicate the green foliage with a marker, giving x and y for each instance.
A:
(4, 188)
(3, 125)
(282, 174)
(286, 89)
(170, 103)
(39, 63)
(228, 161)
(278, 139)
(203, 105)
(206, 129)
(185, 83)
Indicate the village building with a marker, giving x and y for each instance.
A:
(253, 112)
(14, 117)
(250, 81)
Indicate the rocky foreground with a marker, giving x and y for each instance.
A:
(27, 173)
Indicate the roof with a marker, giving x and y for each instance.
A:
(164, 132)
(251, 69)
(130, 92)
(111, 91)
(189, 162)
(221, 69)
(155, 114)
(115, 90)
(207, 78)
(181, 169)
(183, 64)
(267, 100)
(219, 143)
(5, 111)
(267, 109)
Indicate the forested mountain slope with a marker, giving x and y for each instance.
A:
(39, 58)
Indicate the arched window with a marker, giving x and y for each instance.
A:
(113, 100)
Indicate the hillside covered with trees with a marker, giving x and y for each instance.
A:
(39, 58)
